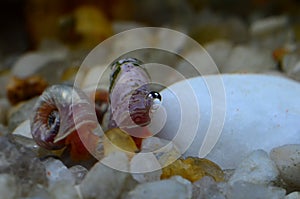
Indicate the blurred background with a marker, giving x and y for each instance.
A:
(25, 24)
(50, 39)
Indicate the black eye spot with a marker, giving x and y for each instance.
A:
(53, 122)
(154, 95)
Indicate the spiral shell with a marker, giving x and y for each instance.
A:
(60, 111)
(130, 96)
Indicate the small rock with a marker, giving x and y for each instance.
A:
(120, 26)
(8, 186)
(20, 113)
(57, 172)
(118, 140)
(4, 108)
(144, 167)
(248, 190)
(248, 59)
(206, 188)
(219, 51)
(193, 169)
(23, 129)
(268, 25)
(17, 89)
(271, 32)
(256, 168)
(78, 173)
(21, 163)
(103, 181)
(174, 188)
(29, 63)
(220, 106)
(291, 65)
(293, 195)
(287, 160)
(202, 59)
(61, 190)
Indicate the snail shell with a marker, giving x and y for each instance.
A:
(130, 96)
(60, 111)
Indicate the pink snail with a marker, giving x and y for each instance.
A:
(57, 115)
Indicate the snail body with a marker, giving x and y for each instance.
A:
(60, 112)
(130, 97)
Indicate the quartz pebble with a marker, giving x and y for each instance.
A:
(118, 140)
(61, 190)
(256, 168)
(104, 181)
(30, 63)
(248, 59)
(248, 190)
(174, 188)
(293, 195)
(193, 169)
(144, 167)
(20, 162)
(17, 89)
(4, 108)
(249, 124)
(57, 172)
(287, 160)
(219, 51)
(8, 186)
(23, 129)
(291, 65)
(206, 187)
(78, 173)
(20, 113)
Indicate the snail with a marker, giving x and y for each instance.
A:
(58, 115)
(131, 99)
(63, 111)
(130, 96)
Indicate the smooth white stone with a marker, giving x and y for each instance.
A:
(293, 195)
(58, 172)
(262, 112)
(219, 51)
(256, 168)
(287, 159)
(267, 25)
(105, 181)
(174, 188)
(23, 129)
(8, 186)
(248, 190)
(248, 59)
(31, 62)
(144, 167)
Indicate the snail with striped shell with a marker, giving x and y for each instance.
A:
(62, 111)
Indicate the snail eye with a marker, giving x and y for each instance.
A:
(53, 122)
(155, 98)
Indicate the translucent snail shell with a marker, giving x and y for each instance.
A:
(60, 111)
(129, 94)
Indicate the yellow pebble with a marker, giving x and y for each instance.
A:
(193, 169)
(118, 140)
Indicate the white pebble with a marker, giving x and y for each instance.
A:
(174, 188)
(287, 159)
(248, 59)
(293, 195)
(57, 172)
(8, 186)
(249, 112)
(103, 181)
(256, 168)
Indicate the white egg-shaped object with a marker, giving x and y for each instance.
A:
(225, 117)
